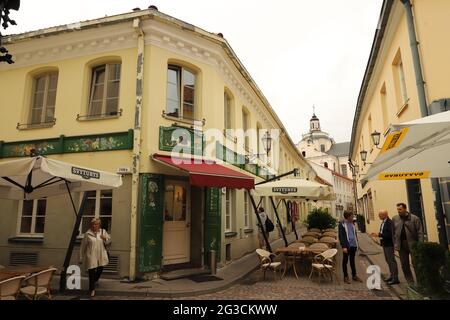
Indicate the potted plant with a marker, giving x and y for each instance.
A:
(320, 218)
(428, 258)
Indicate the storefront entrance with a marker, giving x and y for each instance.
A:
(177, 222)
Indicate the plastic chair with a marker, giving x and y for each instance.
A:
(266, 263)
(325, 263)
(38, 285)
(10, 288)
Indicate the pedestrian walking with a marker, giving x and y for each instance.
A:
(93, 254)
(349, 244)
(386, 236)
(407, 231)
(262, 228)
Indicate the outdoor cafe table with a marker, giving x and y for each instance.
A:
(11, 272)
(296, 251)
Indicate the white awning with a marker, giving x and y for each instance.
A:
(38, 177)
(294, 188)
(417, 149)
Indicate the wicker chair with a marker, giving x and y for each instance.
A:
(319, 246)
(315, 230)
(10, 288)
(330, 234)
(325, 263)
(38, 285)
(308, 239)
(267, 263)
(330, 230)
(311, 234)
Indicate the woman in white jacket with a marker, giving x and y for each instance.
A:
(93, 254)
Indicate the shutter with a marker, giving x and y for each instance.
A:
(151, 222)
(212, 223)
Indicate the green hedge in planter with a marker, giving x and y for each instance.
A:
(428, 259)
(445, 273)
(320, 218)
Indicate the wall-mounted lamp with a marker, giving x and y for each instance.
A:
(376, 138)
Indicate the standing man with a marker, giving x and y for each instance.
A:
(386, 235)
(262, 228)
(407, 231)
(349, 244)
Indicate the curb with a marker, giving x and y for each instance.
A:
(399, 293)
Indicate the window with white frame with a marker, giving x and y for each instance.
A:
(228, 209)
(44, 98)
(98, 205)
(104, 95)
(180, 93)
(246, 211)
(32, 217)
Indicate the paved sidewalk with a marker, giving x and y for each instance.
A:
(230, 273)
(374, 253)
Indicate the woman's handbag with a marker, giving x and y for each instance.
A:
(104, 244)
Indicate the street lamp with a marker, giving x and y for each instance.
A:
(267, 142)
(376, 138)
(363, 154)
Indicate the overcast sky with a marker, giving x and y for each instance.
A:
(299, 52)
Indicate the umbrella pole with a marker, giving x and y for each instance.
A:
(292, 220)
(75, 232)
(278, 219)
(255, 208)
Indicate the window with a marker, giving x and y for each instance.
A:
(322, 148)
(180, 93)
(32, 217)
(400, 82)
(104, 96)
(98, 205)
(370, 130)
(344, 169)
(44, 98)
(245, 127)
(227, 110)
(246, 211)
(228, 209)
(384, 106)
(325, 164)
(303, 154)
(175, 203)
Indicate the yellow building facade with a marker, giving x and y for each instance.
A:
(389, 95)
(118, 94)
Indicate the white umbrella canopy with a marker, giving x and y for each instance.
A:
(38, 177)
(415, 150)
(294, 188)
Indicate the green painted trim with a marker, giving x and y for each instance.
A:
(196, 140)
(62, 144)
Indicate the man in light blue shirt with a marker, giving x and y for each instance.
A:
(349, 244)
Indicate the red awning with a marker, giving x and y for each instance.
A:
(208, 174)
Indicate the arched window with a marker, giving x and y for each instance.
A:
(181, 84)
(104, 94)
(304, 153)
(44, 97)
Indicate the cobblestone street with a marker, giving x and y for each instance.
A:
(290, 288)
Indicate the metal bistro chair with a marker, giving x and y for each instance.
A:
(10, 288)
(38, 285)
(324, 263)
(266, 263)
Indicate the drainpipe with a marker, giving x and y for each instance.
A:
(136, 148)
(439, 213)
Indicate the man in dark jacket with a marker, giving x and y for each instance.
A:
(386, 235)
(349, 244)
(407, 231)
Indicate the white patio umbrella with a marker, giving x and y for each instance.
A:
(38, 177)
(417, 149)
(294, 188)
